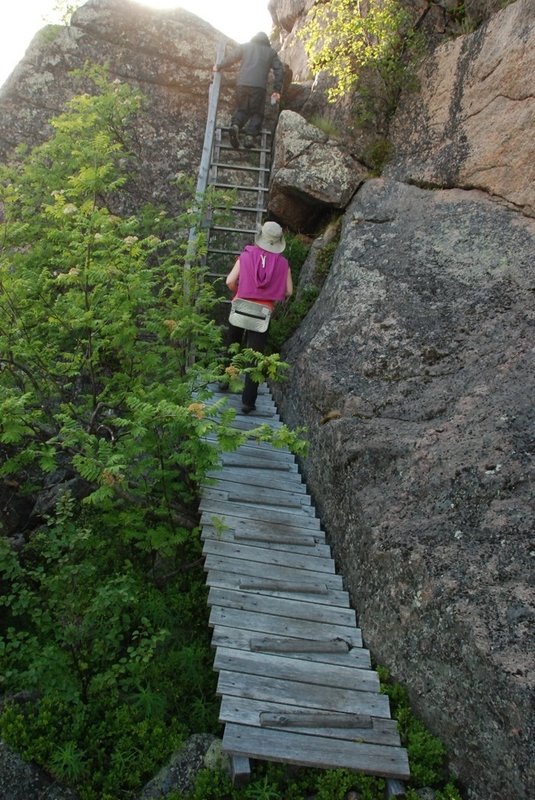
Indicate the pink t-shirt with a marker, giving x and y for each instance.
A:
(263, 275)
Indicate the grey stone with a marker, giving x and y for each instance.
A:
(168, 55)
(179, 774)
(22, 781)
(421, 340)
(471, 125)
(310, 173)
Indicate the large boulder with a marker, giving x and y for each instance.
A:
(311, 173)
(413, 373)
(472, 123)
(168, 55)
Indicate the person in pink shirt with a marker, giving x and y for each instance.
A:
(261, 274)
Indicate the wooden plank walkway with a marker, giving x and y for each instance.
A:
(295, 681)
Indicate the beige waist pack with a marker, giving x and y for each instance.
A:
(250, 316)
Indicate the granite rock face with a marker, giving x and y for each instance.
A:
(168, 55)
(421, 342)
(472, 123)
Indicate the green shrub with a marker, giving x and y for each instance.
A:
(103, 623)
(346, 41)
(427, 755)
(378, 154)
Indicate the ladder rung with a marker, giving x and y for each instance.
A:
(250, 149)
(238, 167)
(264, 130)
(244, 188)
(231, 230)
(252, 209)
(218, 252)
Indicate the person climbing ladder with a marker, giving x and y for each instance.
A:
(257, 58)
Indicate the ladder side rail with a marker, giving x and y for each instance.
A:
(263, 174)
(202, 178)
(213, 177)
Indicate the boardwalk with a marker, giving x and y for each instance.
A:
(295, 681)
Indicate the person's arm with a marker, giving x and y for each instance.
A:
(232, 58)
(278, 74)
(289, 284)
(233, 277)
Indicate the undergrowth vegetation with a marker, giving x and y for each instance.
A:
(350, 40)
(288, 316)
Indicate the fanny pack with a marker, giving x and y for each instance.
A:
(250, 316)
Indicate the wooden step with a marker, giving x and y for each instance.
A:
(315, 751)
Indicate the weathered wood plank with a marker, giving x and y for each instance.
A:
(241, 640)
(249, 712)
(253, 526)
(257, 568)
(278, 690)
(395, 788)
(240, 771)
(292, 544)
(308, 543)
(293, 669)
(270, 585)
(248, 422)
(266, 556)
(283, 626)
(223, 522)
(263, 451)
(236, 580)
(231, 476)
(288, 492)
(274, 644)
(280, 606)
(313, 719)
(303, 518)
(314, 751)
(241, 460)
(260, 496)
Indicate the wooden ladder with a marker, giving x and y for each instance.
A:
(244, 173)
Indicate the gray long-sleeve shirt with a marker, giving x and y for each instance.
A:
(257, 58)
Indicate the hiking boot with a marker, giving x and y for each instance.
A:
(245, 409)
(249, 142)
(234, 136)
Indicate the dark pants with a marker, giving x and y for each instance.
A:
(250, 101)
(256, 341)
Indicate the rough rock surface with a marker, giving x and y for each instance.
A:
(472, 123)
(422, 340)
(179, 774)
(22, 781)
(289, 17)
(310, 173)
(168, 55)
